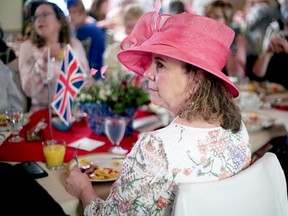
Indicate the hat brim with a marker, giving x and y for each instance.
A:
(138, 59)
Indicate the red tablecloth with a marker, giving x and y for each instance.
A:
(32, 151)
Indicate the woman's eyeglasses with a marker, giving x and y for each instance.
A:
(44, 15)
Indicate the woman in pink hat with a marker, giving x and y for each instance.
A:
(182, 57)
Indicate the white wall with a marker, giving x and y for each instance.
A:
(11, 15)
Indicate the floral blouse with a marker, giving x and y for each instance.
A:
(164, 158)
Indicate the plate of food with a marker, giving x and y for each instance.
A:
(270, 87)
(255, 121)
(280, 102)
(100, 167)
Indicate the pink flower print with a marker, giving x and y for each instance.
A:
(149, 147)
(187, 171)
(176, 170)
(162, 202)
(114, 189)
(122, 207)
(214, 134)
(171, 187)
(224, 175)
(222, 145)
(203, 160)
(202, 147)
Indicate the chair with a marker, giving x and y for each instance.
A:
(259, 190)
(5, 56)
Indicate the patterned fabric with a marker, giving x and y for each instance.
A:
(162, 159)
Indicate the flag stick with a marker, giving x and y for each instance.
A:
(49, 93)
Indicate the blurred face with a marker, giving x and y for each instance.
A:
(129, 25)
(46, 24)
(216, 14)
(77, 17)
(167, 81)
(103, 10)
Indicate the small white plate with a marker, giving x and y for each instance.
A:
(256, 121)
(86, 144)
(274, 88)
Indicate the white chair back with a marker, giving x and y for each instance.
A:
(259, 190)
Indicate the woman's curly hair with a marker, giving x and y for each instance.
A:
(211, 101)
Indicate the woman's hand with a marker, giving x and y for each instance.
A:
(79, 185)
(278, 44)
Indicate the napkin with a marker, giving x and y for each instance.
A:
(86, 144)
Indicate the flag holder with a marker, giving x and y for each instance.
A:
(49, 92)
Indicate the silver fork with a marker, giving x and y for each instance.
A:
(75, 155)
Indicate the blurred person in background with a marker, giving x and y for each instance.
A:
(7, 54)
(91, 36)
(99, 9)
(9, 58)
(114, 19)
(10, 94)
(271, 64)
(258, 14)
(176, 7)
(223, 12)
(51, 30)
(198, 6)
(130, 17)
(28, 13)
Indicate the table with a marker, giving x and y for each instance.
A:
(32, 151)
(259, 138)
(54, 183)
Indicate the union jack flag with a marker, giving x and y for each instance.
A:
(70, 81)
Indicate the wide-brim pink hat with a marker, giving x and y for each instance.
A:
(191, 38)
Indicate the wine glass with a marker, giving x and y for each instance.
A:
(115, 129)
(15, 120)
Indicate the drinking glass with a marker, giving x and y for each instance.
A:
(15, 120)
(115, 129)
(54, 152)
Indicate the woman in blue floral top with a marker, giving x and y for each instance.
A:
(181, 56)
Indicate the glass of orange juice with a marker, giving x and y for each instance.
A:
(54, 152)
